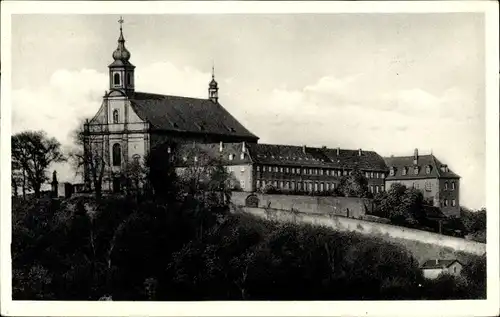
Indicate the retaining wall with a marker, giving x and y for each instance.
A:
(342, 206)
(444, 246)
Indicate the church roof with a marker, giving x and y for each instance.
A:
(184, 114)
(401, 162)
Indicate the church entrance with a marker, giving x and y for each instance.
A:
(116, 184)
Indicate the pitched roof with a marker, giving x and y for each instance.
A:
(399, 163)
(438, 264)
(183, 114)
(315, 157)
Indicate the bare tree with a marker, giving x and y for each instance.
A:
(90, 156)
(203, 174)
(32, 153)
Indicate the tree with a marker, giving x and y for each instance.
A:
(135, 176)
(32, 153)
(400, 204)
(354, 185)
(159, 169)
(90, 156)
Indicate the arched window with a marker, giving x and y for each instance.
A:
(452, 185)
(116, 79)
(115, 116)
(445, 185)
(117, 154)
(129, 79)
(428, 169)
(136, 158)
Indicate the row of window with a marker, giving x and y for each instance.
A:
(117, 79)
(375, 189)
(452, 184)
(314, 171)
(453, 202)
(405, 170)
(292, 185)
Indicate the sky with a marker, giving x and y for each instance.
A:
(383, 82)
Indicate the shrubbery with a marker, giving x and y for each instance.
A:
(181, 243)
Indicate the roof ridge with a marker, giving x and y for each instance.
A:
(167, 95)
(436, 166)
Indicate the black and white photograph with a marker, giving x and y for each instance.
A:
(250, 153)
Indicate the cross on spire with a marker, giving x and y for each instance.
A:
(121, 22)
(213, 69)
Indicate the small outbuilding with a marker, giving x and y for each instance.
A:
(433, 268)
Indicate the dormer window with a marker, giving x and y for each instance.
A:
(415, 170)
(242, 156)
(116, 79)
(404, 171)
(231, 156)
(392, 171)
(428, 169)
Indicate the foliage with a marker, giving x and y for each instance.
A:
(32, 154)
(400, 204)
(354, 185)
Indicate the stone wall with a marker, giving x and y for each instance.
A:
(422, 244)
(342, 206)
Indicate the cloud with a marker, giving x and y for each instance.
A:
(349, 111)
(331, 112)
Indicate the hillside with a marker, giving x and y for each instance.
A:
(415, 241)
(136, 248)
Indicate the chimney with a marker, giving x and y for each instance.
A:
(221, 146)
(338, 151)
(243, 147)
(304, 149)
(360, 152)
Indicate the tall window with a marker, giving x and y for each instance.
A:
(452, 185)
(116, 79)
(129, 79)
(445, 185)
(115, 116)
(117, 154)
(453, 202)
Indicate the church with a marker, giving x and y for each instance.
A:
(129, 123)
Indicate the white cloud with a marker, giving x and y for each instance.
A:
(348, 112)
(337, 112)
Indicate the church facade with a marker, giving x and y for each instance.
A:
(130, 123)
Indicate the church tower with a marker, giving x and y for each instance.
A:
(213, 88)
(121, 71)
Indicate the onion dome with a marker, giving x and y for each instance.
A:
(121, 53)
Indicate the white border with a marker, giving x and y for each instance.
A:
(488, 307)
